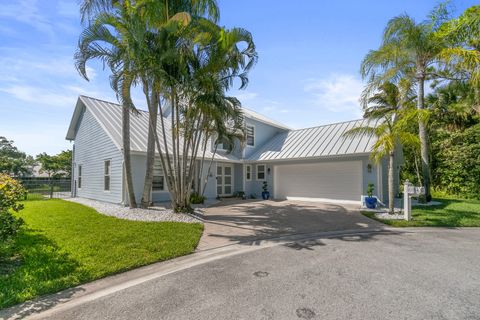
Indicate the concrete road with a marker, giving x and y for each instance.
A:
(405, 274)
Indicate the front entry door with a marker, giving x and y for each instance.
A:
(224, 180)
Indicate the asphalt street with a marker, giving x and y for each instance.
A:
(424, 274)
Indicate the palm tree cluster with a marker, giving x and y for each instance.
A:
(185, 63)
(410, 55)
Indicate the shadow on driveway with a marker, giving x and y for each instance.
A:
(247, 221)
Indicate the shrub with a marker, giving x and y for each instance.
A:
(457, 162)
(11, 193)
(370, 189)
(196, 198)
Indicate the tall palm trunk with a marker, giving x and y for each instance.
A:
(152, 128)
(422, 131)
(391, 195)
(126, 155)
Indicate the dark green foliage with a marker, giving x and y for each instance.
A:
(11, 192)
(9, 226)
(454, 142)
(13, 161)
(58, 165)
(457, 161)
(265, 186)
(196, 198)
(370, 189)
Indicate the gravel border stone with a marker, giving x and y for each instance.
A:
(387, 216)
(121, 212)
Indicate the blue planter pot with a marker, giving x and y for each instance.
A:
(265, 195)
(371, 202)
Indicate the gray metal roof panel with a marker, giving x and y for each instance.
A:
(110, 117)
(322, 141)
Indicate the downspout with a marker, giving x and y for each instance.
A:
(73, 192)
(123, 203)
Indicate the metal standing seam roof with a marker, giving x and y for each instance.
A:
(260, 117)
(322, 141)
(109, 116)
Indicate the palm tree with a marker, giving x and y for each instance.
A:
(462, 56)
(204, 63)
(388, 118)
(108, 37)
(409, 50)
(163, 13)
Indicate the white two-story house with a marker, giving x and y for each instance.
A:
(311, 164)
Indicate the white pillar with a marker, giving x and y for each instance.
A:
(407, 202)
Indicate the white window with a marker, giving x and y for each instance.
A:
(250, 136)
(106, 175)
(79, 176)
(158, 183)
(260, 172)
(224, 145)
(248, 172)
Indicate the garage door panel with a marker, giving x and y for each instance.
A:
(340, 180)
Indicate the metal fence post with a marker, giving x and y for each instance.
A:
(51, 188)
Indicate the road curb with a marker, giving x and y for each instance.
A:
(43, 307)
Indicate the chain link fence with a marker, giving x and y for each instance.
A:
(44, 188)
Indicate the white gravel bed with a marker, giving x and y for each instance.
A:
(387, 216)
(121, 212)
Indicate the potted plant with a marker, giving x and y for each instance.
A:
(265, 193)
(370, 200)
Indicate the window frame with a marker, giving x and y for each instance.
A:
(107, 175)
(264, 172)
(246, 135)
(248, 166)
(79, 176)
(163, 184)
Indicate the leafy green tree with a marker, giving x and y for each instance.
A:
(409, 50)
(12, 161)
(11, 193)
(58, 165)
(456, 167)
(462, 56)
(388, 114)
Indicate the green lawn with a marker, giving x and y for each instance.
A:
(451, 213)
(65, 244)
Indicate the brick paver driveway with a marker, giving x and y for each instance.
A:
(233, 221)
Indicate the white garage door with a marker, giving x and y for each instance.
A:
(339, 180)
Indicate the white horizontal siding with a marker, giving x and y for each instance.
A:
(92, 148)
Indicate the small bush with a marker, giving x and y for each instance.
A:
(196, 198)
(11, 193)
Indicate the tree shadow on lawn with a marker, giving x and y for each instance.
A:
(38, 267)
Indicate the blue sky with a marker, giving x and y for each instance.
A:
(307, 73)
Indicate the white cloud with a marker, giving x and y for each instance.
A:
(336, 93)
(41, 95)
(27, 11)
(246, 96)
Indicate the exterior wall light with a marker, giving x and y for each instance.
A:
(369, 168)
